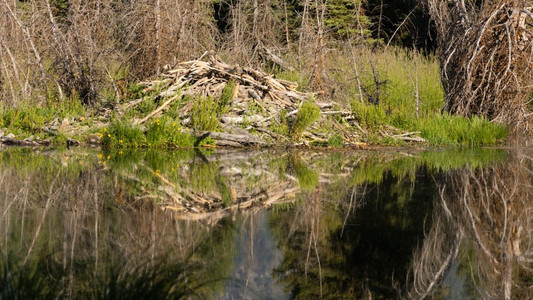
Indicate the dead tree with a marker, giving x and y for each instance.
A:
(485, 52)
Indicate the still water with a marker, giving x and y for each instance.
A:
(442, 224)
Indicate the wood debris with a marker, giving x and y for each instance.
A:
(209, 78)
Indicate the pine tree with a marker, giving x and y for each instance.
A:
(345, 19)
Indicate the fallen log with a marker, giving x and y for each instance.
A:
(23, 143)
(232, 139)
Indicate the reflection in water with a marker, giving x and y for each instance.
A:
(152, 225)
(490, 214)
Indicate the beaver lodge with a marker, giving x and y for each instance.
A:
(240, 106)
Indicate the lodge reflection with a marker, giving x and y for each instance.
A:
(339, 225)
(64, 236)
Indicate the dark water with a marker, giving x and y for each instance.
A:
(447, 224)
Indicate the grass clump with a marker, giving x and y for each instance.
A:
(308, 114)
(336, 141)
(204, 114)
(120, 134)
(225, 98)
(370, 116)
(160, 133)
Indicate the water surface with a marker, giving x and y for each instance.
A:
(443, 224)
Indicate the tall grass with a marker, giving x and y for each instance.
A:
(445, 129)
(160, 133)
(204, 114)
(308, 114)
(436, 128)
(400, 74)
(27, 119)
(410, 97)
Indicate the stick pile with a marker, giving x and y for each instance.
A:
(251, 97)
(251, 87)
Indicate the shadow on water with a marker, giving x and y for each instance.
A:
(84, 224)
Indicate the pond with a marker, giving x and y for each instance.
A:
(438, 224)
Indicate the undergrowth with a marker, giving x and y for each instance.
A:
(26, 120)
(400, 74)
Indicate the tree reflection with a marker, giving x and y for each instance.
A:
(65, 236)
(356, 246)
(485, 222)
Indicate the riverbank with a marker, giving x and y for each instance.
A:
(210, 103)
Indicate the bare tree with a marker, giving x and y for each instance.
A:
(485, 56)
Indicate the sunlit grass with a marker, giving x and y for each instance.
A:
(26, 119)
(160, 133)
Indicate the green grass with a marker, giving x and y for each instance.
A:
(400, 72)
(402, 75)
(308, 114)
(436, 128)
(204, 114)
(26, 119)
(160, 133)
(225, 98)
(294, 76)
(445, 129)
(336, 141)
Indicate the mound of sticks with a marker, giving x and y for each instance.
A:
(486, 57)
(250, 87)
(253, 99)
